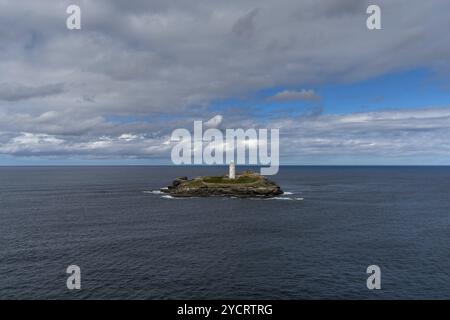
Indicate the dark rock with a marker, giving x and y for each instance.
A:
(179, 181)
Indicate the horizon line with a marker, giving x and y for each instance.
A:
(224, 165)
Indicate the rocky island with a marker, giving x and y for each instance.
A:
(243, 185)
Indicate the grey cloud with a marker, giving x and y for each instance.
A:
(15, 92)
(170, 57)
(53, 123)
(148, 59)
(292, 95)
(339, 8)
(244, 26)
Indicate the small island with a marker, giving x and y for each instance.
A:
(242, 185)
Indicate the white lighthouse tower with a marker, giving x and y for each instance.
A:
(232, 171)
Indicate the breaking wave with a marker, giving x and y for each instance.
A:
(285, 198)
(154, 192)
(167, 196)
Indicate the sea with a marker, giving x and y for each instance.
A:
(316, 241)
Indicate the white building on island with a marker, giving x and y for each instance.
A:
(232, 171)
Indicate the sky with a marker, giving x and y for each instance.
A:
(113, 92)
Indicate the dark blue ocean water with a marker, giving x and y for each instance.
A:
(133, 244)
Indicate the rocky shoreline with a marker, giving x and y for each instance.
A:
(245, 185)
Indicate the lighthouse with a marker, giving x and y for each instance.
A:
(232, 171)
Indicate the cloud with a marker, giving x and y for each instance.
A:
(29, 144)
(15, 92)
(388, 136)
(244, 26)
(67, 122)
(290, 95)
(154, 57)
(411, 135)
(138, 69)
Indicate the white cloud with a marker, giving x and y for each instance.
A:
(412, 134)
